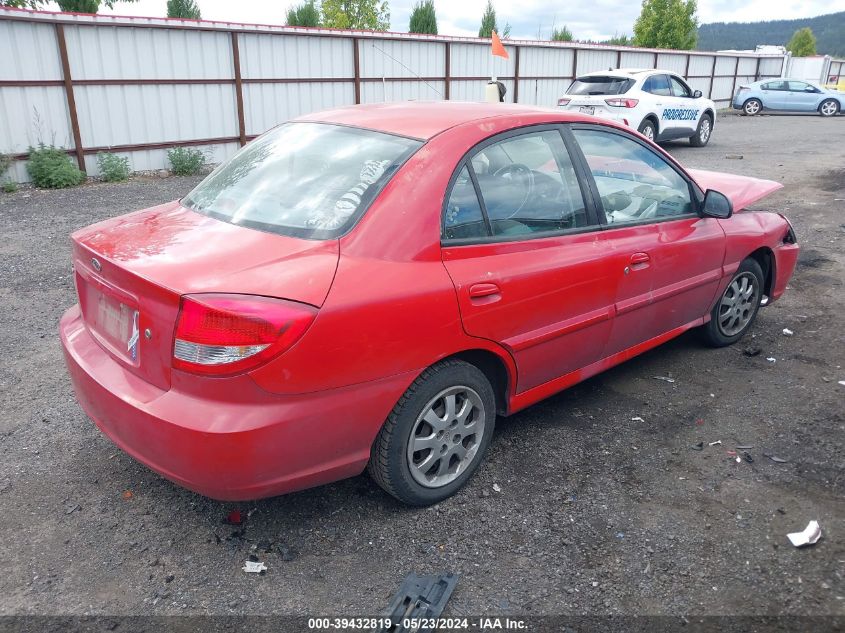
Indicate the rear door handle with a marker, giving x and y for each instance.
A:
(481, 291)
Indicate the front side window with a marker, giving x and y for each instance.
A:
(797, 86)
(658, 85)
(527, 185)
(634, 183)
(679, 87)
(310, 180)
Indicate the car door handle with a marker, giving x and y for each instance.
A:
(484, 290)
(640, 261)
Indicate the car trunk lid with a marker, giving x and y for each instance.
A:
(742, 191)
(131, 272)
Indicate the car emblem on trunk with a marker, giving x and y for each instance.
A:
(96, 264)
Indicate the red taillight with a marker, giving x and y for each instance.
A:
(620, 102)
(220, 334)
(563, 101)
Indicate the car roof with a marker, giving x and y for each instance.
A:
(425, 119)
(629, 73)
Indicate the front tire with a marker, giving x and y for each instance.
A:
(648, 130)
(737, 307)
(436, 436)
(829, 107)
(703, 133)
(752, 107)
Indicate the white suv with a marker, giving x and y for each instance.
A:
(657, 103)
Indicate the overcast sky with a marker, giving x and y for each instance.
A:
(587, 19)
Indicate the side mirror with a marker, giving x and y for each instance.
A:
(696, 94)
(809, 89)
(717, 205)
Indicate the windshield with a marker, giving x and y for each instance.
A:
(309, 180)
(600, 86)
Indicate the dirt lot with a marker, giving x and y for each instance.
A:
(599, 512)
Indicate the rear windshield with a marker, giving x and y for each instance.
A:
(600, 86)
(310, 180)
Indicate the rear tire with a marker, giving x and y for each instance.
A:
(703, 133)
(752, 107)
(736, 309)
(829, 107)
(648, 130)
(421, 462)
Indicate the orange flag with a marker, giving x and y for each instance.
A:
(498, 49)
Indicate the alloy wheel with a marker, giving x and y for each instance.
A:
(738, 303)
(828, 108)
(446, 436)
(648, 132)
(752, 107)
(704, 135)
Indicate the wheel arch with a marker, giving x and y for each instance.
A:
(766, 258)
(499, 371)
(651, 116)
(709, 112)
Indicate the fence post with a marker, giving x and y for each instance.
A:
(239, 89)
(447, 76)
(736, 72)
(71, 101)
(516, 74)
(356, 62)
(712, 78)
(757, 70)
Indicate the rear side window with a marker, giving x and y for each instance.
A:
(600, 86)
(308, 180)
(774, 85)
(463, 218)
(658, 85)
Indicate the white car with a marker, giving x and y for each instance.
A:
(657, 103)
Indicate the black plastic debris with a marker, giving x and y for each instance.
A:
(775, 458)
(420, 599)
(698, 447)
(747, 457)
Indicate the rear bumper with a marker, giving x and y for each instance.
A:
(227, 438)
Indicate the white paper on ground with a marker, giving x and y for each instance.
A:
(811, 534)
(251, 567)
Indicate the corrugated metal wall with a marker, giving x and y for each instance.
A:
(142, 85)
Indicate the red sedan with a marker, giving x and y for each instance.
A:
(370, 287)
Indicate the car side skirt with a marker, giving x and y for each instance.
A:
(527, 398)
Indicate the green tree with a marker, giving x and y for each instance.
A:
(489, 24)
(183, 9)
(356, 14)
(563, 34)
(305, 14)
(619, 40)
(423, 18)
(802, 43)
(667, 24)
(77, 6)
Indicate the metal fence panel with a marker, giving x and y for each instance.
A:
(631, 59)
(136, 115)
(401, 58)
(381, 91)
(266, 105)
(97, 52)
(700, 66)
(672, 62)
(542, 92)
(590, 60)
(771, 67)
(474, 60)
(271, 56)
(535, 61)
(29, 52)
(33, 115)
(747, 66)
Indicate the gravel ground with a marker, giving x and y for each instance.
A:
(591, 502)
